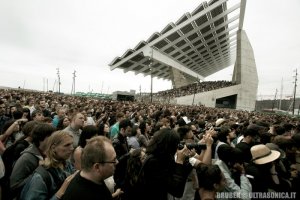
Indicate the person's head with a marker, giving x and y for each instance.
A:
(48, 120)
(103, 129)
(37, 115)
(194, 129)
(30, 102)
(28, 127)
(134, 164)
(125, 127)
(135, 131)
(230, 155)
(61, 113)
(250, 136)
(164, 143)
(59, 148)
(223, 134)
(63, 123)
(40, 135)
(88, 132)
(2, 108)
(185, 133)
(77, 121)
(99, 158)
(261, 154)
(211, 178)
(165, 122)
(42, 104)
(120, 116)
(26, 113)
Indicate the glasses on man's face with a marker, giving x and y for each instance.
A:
(114, 161)
(2, 106)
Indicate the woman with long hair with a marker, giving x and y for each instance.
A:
(134, 165)
(162, 173)
(48, 180)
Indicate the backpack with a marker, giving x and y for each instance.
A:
(45, 174)
(9, 157)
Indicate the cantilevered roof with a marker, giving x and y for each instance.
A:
(199, 44)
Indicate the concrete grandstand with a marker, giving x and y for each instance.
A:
(199, 44)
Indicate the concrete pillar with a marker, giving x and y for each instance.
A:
(178, 79)
(245, 73)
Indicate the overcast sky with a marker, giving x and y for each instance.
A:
(38, 36)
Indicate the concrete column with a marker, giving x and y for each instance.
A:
(245, 73)
(178, 79)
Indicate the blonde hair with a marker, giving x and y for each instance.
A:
(55, 139)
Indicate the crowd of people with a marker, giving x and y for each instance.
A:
(193, 89)
(66, 147)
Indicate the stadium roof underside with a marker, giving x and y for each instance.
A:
(199, 44)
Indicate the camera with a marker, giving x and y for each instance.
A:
(190, 146)
(217, 128)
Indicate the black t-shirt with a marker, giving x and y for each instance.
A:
(81, 188)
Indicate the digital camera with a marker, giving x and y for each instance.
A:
(190, 146)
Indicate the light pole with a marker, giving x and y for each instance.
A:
(295, 86)
(73, 84)
(195, 89)
(58, 78)
(151, 74)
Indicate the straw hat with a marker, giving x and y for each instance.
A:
(261, 154)
(219, 121)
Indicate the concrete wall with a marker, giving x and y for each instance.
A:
(208, 98)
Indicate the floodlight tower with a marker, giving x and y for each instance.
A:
(58, 78)
(73, 84)
(295, 87)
